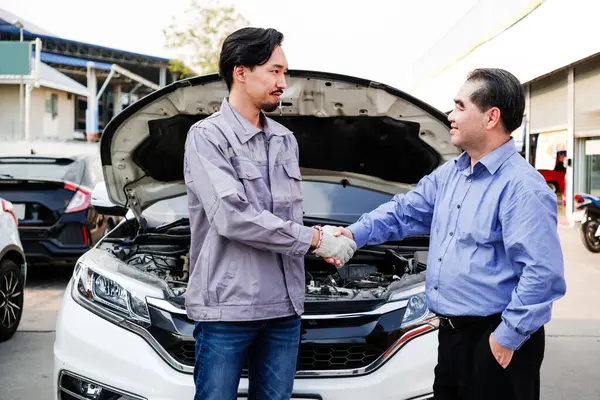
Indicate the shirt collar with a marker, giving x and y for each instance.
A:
(244, 129)
(492, 161)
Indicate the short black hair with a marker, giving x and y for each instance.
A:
(248, 47)
(499, 88)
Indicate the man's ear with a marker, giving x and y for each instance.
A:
(239, 73)
(492, 118)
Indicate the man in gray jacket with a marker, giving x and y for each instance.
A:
(246, 288)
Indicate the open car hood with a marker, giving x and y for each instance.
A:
(349, 130)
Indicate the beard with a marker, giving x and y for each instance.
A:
(269, 107)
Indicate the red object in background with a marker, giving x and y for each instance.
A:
(555, 178)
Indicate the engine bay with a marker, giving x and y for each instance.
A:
(369, 275)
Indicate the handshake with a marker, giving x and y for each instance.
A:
(335, 244)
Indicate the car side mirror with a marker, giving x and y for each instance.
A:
(102, 203)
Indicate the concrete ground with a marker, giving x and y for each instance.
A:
(570, 370)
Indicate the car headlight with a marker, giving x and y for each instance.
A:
(416, 312)
(107, 298)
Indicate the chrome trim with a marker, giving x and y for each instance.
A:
(102, 385)
(424, 397)
(386, 308)
(165, 305)
(397, 346)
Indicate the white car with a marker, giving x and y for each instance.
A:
(13, 270)
(123, 333)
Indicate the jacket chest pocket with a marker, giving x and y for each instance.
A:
(252, 179)
(294, 184)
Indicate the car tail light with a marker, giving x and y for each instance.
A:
(86, 237)
(8, 208)
(81, 199)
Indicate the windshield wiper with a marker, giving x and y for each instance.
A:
(9, 176)
(167, 226)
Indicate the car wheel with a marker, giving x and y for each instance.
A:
(588, 231)
(11, 299)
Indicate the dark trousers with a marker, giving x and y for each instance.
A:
(269, 347)
(467, 369)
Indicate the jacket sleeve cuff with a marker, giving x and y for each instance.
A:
(509, 337)
(360, 233)
(303, 242)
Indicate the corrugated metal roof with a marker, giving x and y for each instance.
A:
(73, 61)
(51, 78)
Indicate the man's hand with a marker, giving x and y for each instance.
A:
(339, 231)
(502, 354)
(335, 247)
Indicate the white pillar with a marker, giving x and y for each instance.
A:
(21, 112)
(28, 89)
(570, 191)
(163, 77)
(91, 113)
(118, 106)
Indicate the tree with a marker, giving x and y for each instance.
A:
(200, 33)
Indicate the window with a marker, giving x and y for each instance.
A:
(592, 160)
(52, 105)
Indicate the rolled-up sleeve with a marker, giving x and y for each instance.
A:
(404, 215)
(529, 226)
(214, 180)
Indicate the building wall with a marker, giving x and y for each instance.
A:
(553, 36)
(42, 124)
(587, 98)
(9, 111)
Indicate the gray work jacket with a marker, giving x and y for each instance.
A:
(245, 203)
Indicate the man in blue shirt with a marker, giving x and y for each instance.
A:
(495, 263)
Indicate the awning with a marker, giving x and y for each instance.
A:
(50, 78)
(72, 61)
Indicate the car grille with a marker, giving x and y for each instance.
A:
(311, 357)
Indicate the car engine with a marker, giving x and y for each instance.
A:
(367, 276)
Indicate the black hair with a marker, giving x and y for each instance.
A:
(248, 47)
(499, 88)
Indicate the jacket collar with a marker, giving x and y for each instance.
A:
(244, 129)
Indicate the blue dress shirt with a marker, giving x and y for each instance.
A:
(494, 245)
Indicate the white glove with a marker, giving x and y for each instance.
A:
(338, 247)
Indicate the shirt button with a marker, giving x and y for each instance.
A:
(435, 287)
(248, 174)
(451, 233)
(440, 259)
(469, 180)
(458, 206)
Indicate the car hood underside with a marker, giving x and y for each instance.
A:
(349, 130)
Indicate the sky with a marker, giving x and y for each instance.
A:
(374, 39)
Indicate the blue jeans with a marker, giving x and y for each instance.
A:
(270, 348)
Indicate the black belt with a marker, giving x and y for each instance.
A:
(460, 322)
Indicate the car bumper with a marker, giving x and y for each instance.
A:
(41, 248)
(95, 349)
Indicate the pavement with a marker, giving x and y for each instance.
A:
(570, 370)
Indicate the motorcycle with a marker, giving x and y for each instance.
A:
(588, 213)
